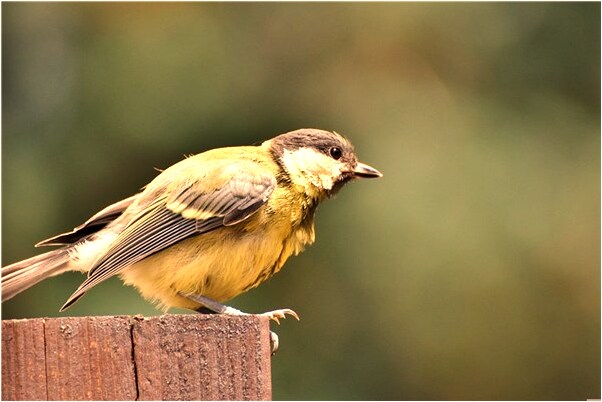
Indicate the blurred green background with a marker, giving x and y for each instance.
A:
(470, 271)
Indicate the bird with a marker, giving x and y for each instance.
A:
(207, 228)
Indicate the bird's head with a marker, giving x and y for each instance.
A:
(321, 162)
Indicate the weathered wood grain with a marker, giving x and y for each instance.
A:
(89, 358)
(203, 357)
(23, 360)
(171, 357)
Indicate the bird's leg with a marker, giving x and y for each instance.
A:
(212, 306)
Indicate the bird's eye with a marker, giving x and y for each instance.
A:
(336, 152)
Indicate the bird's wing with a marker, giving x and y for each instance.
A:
(92, 225)
(185, 207)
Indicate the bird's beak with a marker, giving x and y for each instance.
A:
(364, 171)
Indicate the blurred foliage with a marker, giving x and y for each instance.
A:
(470, 271)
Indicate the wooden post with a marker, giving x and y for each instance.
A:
(170, 357)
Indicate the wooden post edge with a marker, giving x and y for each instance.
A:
(169, 357)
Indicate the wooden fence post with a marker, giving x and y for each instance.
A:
(170, 357)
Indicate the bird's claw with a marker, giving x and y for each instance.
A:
(277, 314)
(274, 342)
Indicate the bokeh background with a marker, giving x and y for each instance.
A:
(470, 271)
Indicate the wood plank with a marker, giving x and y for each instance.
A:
(171, 357)
(23, 360)
(89, 358)
(203, 357)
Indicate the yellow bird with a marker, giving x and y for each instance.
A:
(207, 228)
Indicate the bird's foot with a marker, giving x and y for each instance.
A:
(274, 342)
(276, 315)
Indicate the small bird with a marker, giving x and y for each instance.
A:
(206, 229)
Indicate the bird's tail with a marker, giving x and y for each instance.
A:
(23, 274)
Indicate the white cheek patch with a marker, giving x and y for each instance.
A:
(310, 167)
